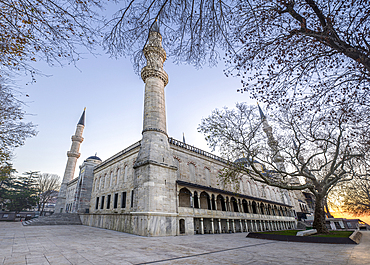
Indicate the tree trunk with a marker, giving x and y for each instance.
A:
(327, 212)
(319, 219)
(42, 208)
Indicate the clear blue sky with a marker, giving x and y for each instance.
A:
(113, 95)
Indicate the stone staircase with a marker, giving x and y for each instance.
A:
(55, 219)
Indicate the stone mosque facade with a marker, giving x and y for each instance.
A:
(160, 186)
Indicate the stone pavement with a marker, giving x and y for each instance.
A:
(77, 244)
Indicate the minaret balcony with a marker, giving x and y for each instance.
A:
(76, 138)
(73, 154)
(150, 72)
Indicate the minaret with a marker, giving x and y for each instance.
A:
(155, 174)
(154, 120)
(278, 159)
(73, 155)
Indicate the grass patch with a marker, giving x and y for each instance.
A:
(294, 232)
(335, 234)
(282, 233)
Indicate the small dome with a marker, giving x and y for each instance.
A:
(242, 160)
(94, 157)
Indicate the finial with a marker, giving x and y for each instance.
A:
(96, 153)
(183, 138)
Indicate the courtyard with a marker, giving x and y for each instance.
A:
(77, 244)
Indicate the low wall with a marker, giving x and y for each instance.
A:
(138, 224)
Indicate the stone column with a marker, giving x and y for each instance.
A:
(241, 225)
(219, 226)
(233, 225)
(201, 226)
(249, 207)
(212, 226)
(227, 225)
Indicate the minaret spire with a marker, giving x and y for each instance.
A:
(72, 155)
(273, 144)
(263, 117)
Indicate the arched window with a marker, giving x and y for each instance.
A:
(245, 206)
(205, 201)
(269, 210)
(256, 190)
(273, 197)
(263, 191)
(100, 183)
(208, 176)
(234, 205)
(184, 198)
(254, 207)
(192, 172)
(105, 181)
(111, 179)
(262, 207)
(221, 203)
(268, 196)
(249, 188)
(118, 175)
(125, 176)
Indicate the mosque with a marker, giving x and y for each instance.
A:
(160, 186)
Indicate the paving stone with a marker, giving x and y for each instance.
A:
(78, 244)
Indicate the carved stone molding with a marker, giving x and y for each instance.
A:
(150, 72)
(155, 130)
(73, 154)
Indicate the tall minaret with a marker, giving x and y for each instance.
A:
(73, 155)
(273, 144)
(155, 173)
(154, 121)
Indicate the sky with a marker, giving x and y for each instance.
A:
(113, 96)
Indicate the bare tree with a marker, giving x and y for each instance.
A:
(13, 131)
(352, 197)
(285, 52)
(47, 184)
(357, 197)
(314, 153)
(44, 30)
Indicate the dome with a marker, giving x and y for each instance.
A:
(242, 160)
(94, 157)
